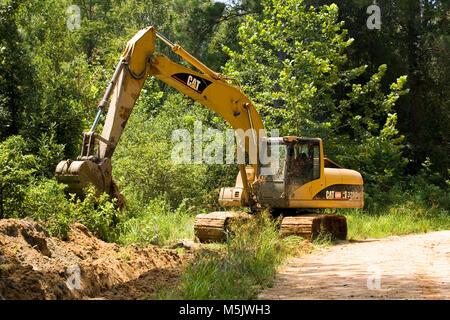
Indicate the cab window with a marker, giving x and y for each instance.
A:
(276, 163)
(304, 162)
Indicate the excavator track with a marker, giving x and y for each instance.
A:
(214, 226)
(311, 226)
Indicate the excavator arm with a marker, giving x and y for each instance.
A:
(138, 61)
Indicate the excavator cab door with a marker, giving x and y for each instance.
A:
(272, 188)
(302, 164)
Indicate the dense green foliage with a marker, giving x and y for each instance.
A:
(294, 71)
(47, 203)
(378, 99)
(413, 40)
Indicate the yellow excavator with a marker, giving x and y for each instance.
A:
(303, 179)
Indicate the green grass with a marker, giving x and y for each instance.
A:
(156, 224)
(245, 264)
(323, 240)
(407, 218)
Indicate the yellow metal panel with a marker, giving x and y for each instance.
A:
(332, 176)
(313, 204)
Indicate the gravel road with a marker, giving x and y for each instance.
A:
(405, 267)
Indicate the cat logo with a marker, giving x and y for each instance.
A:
(196, 83)
(341, 192)
(193, 83)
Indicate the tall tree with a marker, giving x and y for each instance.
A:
(293, 62)
(413, 40)
(16, 73)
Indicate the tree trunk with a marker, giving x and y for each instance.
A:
(413, 66)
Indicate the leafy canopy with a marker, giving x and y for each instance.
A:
(292, 61)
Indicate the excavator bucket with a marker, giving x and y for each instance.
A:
(80, 174)
(83, 173)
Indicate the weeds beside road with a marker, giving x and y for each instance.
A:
(247, 262)
(240, 268)
(407, 218)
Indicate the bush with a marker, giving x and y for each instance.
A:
(48, 154)
(429, 188)
(16, 170)
(47, 203)
(426, 190)
(157, 223)
(98, 214)
(19, 167)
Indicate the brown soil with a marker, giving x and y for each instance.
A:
(34, 265)
(406, 267)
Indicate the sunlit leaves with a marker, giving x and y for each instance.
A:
(293, 63)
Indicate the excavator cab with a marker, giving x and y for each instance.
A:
(294, 162)
(303, 162)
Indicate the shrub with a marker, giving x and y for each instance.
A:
(98, 214)
(19, 167)
(47, 203)
(48, 154)
(16, 170)
(157, 223)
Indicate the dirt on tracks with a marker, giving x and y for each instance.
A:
(34, 265)
(405, 267)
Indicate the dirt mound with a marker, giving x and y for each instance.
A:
(34, 265)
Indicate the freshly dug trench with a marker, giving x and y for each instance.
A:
(34, 265)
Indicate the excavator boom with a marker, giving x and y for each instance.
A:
(137, 62)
